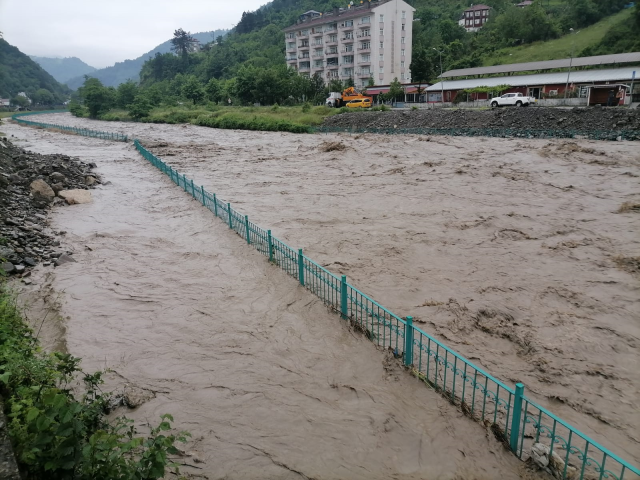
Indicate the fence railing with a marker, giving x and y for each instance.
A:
(513, 418)
(492, 132)
(85, 132)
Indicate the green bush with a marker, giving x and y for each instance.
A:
(306, 107)
(239, 122)
(381, 108)
(58, 436)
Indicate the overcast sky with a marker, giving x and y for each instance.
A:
(102, 32)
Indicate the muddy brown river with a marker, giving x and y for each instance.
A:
(510, 251)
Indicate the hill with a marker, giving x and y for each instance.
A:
(18, 73)
(585, 42)
(130, 69)
(63, 69)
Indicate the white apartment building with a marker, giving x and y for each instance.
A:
(371, 39)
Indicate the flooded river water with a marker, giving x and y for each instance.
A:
(269, 383)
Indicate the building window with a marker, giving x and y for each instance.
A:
(477, 13)
(366, 20)
(468, 14)
(402, 76)
(381, 57)
(477, 21)
(404, 14)
(381, 44)
(382, 31)
(381, 69)
(382, 18)
(402, 52)
(402, 64)
(402, 40)
(365, 58)
(403, 27)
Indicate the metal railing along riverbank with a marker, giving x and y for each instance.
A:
(85, 132)
(515, 419)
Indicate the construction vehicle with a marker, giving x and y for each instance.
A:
(337, 99)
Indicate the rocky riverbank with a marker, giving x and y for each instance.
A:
(30, 184)
(622, 120)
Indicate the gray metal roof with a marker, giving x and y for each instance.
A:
(584, 76)
(546, 65)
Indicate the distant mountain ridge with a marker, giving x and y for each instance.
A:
(18, 73)
(130, 69)
(63, 69)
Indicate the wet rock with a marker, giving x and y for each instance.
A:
(16, 179)
(134, 396)
(42, 193)
(89, 180)
(30, 262)
(7, 267)
(18, 268)
(74, 197)
(6, 252)
(57, 177)
(64, 258)
(553, 464)
(57, 187)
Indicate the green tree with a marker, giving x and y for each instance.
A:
(395, 90)
(140, 107)
(213, 90)
(192, 90)
(183, 43)
(42, 96)
(349, 82)
(19, 101)
(421, 69)
(96, 97)
(126, 93)
(246, 83)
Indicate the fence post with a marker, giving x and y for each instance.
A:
(193, 189)
(215, 205)
(408, 341)
(229, 213)
(343, 297)
(270, 245)
(301, 267)
(246, 226)
(184, 181)
(203, 198)
(515, 417)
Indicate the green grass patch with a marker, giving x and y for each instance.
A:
(57, 434)
(560, 47)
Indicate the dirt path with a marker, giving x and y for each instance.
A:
(270, 384)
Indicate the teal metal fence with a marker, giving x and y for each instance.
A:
(85, 132)
(493, 132)
(514, 418)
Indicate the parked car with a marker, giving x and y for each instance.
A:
(359, 103)
(510, 99)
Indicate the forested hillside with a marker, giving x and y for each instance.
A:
(62, 69)
(18, 73)
(256, 47)
(130, 69)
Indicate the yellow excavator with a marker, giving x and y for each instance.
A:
(337, 99)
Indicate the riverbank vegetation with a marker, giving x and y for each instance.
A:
(57, 414)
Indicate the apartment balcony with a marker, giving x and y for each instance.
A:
(347, 50)
(318, 55)
(364, 74)
(303, 46)
(364, 35)
(331, 42)
(364, 49)
(317, 44)
(330, 29)
(346, 64)
(332, 66)
(348, 40)
(302, 35)
(331, 52)
(304, 56)
(364, 24)
(317, 32)
(292, 50)
(292, 59)
(344, 28)
(304, 68)
(331, 75)
(364, 62)
(318, 69)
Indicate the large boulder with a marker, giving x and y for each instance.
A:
(42, 193)
(76, 196)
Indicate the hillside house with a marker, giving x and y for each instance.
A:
(475, 17)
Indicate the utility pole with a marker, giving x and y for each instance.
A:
(573, 44)
(441, 78)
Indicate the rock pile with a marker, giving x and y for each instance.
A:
(29, 184)
(592, 119)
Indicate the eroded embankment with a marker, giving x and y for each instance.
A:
(270, 384)
(613, 121)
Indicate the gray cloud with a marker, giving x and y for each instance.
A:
(104, 32)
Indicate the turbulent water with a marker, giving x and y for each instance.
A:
(269, 383)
